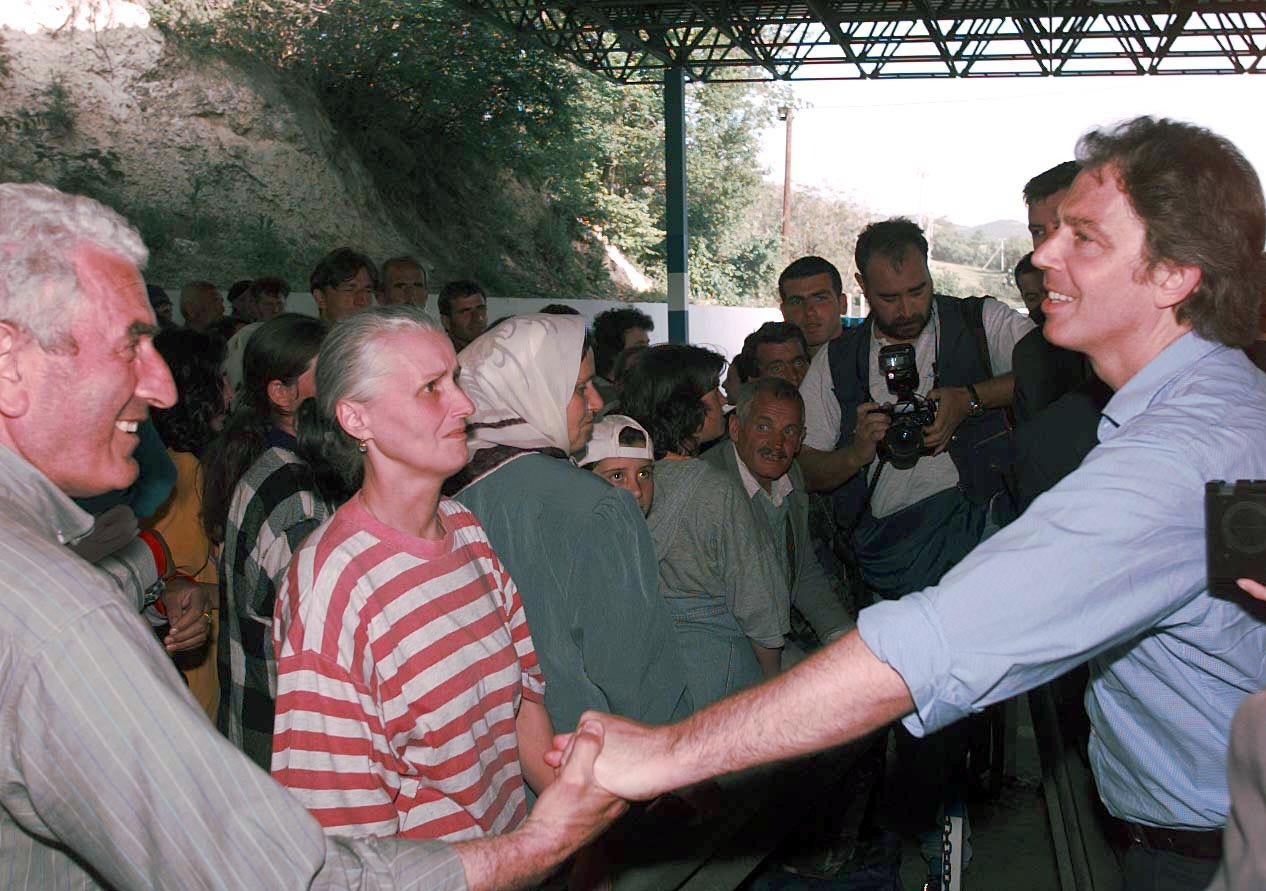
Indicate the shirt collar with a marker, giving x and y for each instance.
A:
(51, 509)
(778, 490)
(1152, 380)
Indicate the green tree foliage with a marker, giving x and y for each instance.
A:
(462, 128)
(500, 143)
(624, 182)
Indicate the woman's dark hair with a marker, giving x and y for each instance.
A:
(624, 362)
(194, 360)
(337, 468)
(663, 392)
(279, 350)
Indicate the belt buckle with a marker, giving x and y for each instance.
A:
(1138, 834)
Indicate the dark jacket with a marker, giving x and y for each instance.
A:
(980, 447)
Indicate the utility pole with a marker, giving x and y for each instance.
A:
(786, 113)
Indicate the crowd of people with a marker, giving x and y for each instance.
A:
(296, 601)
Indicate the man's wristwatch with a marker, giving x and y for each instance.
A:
(975, 408)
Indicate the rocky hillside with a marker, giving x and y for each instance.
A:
(228, 171)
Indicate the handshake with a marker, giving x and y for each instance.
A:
(596, 769)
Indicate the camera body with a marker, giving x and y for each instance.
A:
(1235, 533)
(903, 443)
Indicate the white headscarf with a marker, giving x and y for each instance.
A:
(521, 375)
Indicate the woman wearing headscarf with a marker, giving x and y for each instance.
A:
(577, 547)
(717, 571)
(408, 694)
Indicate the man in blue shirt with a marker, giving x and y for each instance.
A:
(1155, 272)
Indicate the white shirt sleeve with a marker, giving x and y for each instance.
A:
(821, 407)
(1004, 327)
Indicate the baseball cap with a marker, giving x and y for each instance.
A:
(618, 436)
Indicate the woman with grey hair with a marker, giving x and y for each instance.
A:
(409, 701)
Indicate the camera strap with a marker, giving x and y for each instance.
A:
(870, 493)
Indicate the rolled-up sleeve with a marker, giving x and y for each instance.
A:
(1087, 567)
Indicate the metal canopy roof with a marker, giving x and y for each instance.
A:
(634, 41)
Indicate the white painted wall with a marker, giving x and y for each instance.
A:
(720, 327)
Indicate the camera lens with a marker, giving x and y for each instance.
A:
(903, 443)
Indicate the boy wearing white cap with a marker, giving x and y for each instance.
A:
(621, 453)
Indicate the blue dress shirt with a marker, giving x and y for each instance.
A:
(1109, 567)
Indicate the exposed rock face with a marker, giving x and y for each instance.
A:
(229, 170)
(223, 156)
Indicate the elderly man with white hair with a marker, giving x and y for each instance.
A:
(110, 775)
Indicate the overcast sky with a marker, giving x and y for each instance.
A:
(964, 148)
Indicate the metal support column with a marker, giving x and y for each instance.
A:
(675, 201)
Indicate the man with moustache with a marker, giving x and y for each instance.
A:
(765, 433)
(910, 526)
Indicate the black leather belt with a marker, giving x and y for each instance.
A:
(1200, 844)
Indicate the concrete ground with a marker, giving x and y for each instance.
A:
(1011, 837)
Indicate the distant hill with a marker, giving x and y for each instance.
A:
(966, 281)
(1002, 229)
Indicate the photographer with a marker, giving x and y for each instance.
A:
(920, 507)
(911, 524)
(1155, 273)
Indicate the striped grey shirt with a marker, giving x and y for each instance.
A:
(110, 775)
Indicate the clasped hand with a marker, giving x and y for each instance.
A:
(188, 606)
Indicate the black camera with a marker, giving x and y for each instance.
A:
(1235, 533)
(903, 443)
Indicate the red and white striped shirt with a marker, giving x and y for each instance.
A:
(400, 667)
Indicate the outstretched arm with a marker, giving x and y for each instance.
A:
(841, 693)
